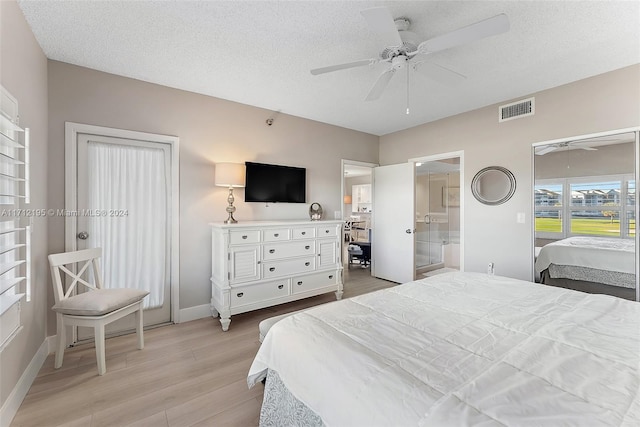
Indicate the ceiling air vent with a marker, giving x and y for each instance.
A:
(516, 110)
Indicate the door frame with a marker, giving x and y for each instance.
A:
(72, 131)
(443, 156)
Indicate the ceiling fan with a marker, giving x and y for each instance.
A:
(545, 149)
(403, 49)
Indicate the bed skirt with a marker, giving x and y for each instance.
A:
(588, 274)
(281, 408)
(589, 286)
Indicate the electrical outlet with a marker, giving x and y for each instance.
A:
(490, 269)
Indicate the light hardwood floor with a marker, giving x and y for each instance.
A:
(187, 374)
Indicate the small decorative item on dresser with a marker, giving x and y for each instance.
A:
(315, 211)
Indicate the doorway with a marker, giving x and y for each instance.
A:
(357, 198)
(437, 235)
(403, 232)
(123, 188)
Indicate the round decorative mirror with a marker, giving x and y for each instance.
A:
(315, 211)
(493, 185)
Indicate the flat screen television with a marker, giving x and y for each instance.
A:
(274, 183)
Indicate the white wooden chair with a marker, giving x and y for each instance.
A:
(95, 308)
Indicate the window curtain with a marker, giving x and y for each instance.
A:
(128, 216)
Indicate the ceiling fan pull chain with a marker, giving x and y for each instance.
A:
(407, 67)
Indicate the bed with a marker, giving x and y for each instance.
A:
(590, 264)
(451, 350)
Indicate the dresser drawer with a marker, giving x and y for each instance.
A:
(288, 267)
(277, 234)
(313, 281)
(244, 295)
(273, 251)
(304, 233)
(238, 237)
(327, 231)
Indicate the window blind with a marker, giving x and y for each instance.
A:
(15, 229)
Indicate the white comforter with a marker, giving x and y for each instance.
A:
(602, 253)
(462, 349)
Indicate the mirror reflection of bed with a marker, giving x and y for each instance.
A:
(585, 210)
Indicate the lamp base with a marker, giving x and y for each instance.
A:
(230, 220)
(230, 209)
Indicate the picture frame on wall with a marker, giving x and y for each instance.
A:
(451, 197)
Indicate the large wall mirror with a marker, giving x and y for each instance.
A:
(493, 185)
(585, 201)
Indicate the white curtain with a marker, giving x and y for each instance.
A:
(128, 202)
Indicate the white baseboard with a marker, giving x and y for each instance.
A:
(13, 402)
(194, 313)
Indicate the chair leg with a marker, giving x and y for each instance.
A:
(139, 329)
(62, 341)
(100, 344)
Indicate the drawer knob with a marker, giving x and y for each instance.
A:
(272, 269)
(245, 236)
(303, 233)
(307, 247)
(272, 251)
(276, 234)
(240, 294)
(300, 283)
(326, 231)
(331, 276)
(280, 286)
(307, 264)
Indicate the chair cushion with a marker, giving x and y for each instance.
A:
(99, 302)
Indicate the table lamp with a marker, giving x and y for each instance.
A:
(230, 175)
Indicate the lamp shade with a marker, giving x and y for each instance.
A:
(347, 200)
(230, 174)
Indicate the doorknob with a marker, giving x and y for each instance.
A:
(408, 231)
(83, 235)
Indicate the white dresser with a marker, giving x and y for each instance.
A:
(258, 264)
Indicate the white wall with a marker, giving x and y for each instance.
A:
(23, 72)
(210, 130)
(605, 102)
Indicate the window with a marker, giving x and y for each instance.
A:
(596, 206)
(548, 208)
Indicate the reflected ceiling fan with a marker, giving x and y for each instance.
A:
(567, 145)
(404, 50)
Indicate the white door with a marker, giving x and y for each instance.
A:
(392, 246)
(124, 207)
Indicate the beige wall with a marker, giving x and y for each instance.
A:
(210, 130)
(23, 72)
(605, 102)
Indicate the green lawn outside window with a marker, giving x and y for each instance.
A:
(588, 226)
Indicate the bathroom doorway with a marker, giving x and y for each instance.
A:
(438, 213)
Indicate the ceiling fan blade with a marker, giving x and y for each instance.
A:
(489, 27)
(380, 85)
(439, 73)
(381, 22)
(354, 64)
(541, 151)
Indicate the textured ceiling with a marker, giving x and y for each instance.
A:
(260, 53)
